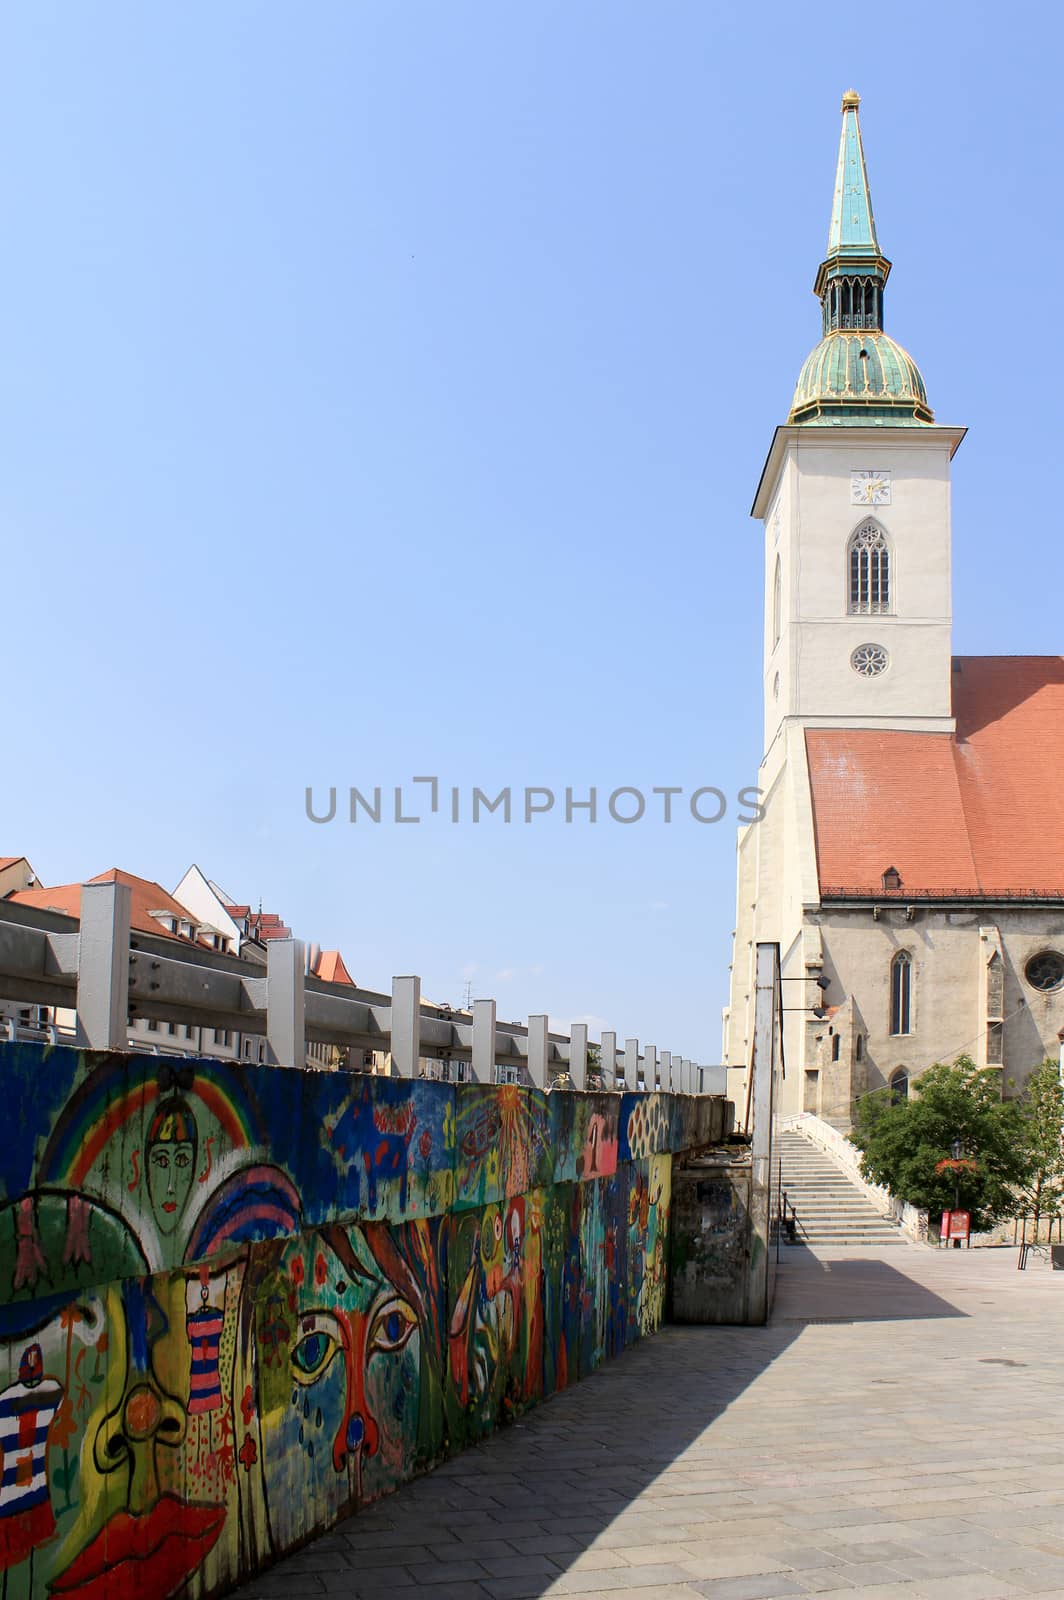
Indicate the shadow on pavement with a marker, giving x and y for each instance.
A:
(810, 1288)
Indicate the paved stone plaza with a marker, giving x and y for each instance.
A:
(897, 1431)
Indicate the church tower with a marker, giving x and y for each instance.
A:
(855, 500)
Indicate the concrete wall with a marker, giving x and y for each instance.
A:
(712, 1240)
(236, 1304)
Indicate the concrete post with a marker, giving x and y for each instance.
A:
(650, 1067)
(608, 1058)
(484, 1041)
(538, 1050)
(666, 1070)
(631, 1064)
(578, 1054)
(405, 1026)
(715, 1080)
(103, 966)
(285, 1011)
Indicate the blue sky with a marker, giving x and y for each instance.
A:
(384, 391)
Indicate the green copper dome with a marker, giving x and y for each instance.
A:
(856, 375)
(851, 378)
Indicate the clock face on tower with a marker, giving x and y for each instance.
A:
(870, 486)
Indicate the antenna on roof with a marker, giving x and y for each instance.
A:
(467, 1001)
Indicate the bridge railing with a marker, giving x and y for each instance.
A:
(111, 974)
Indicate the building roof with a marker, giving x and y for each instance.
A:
(856, 374)
(978, 813)
(850, 378)
(853, 227)
(146, 897)
(331, 968)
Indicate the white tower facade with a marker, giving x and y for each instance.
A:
(857, 578)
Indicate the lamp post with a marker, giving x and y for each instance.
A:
(956, 1150)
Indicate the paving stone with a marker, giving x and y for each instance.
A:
(767, 1587)
(516, 1566)
(452, 1572)
(463, 1550)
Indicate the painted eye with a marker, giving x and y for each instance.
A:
(313, 1353)
(160, 1159)
(392, 1326)
(183, 1160)
(498, 1226)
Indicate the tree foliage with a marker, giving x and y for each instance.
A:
(907, 1146)
(1042, 1111)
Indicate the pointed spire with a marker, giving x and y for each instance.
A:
(856, 374)
(853, 227)
(850, 281)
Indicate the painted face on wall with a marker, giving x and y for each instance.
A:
(170, 1157)
(339, 1365)
(141, 1470)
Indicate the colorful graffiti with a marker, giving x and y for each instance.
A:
(236, 1304)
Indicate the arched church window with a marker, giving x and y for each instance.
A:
(899, 1086)
(777, 604)
(901, 992)
(869, 562)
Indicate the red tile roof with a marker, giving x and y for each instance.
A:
(145, 897)
(261, 925)
(976, 813)
(331, 968)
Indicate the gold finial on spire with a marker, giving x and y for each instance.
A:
(851, 100)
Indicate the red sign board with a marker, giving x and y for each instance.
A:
(955, 1225)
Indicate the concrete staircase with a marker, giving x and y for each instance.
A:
(831, 1208)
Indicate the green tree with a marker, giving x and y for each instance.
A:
(1041, 1191)
(908, 1147)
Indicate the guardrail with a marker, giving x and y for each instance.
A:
(111, 974)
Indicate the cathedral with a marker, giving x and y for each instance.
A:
(910, 859)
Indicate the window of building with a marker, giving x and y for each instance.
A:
(859, 1046)
(1045, 971)
(901, 992)
(995, 1044)
(899, 1085)
(869, 561)
(171, 1027)
(777, 604)
(836, 1047)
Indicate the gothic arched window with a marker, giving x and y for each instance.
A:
(777, 604)
(869, 569)
(899, 1085)
(901, 992)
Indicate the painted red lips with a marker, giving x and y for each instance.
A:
(135, 1556)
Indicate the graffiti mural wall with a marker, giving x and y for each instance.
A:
(238, 1303)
